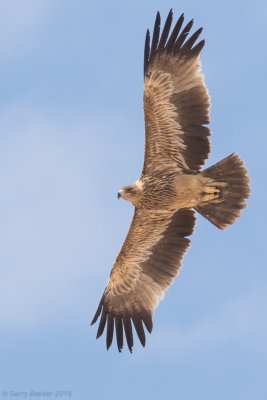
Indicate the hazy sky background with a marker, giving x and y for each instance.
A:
(71, 135)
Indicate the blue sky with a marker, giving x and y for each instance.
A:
(71, 135)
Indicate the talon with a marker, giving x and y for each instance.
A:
(210, 193)
(210, 196)
(211, 189)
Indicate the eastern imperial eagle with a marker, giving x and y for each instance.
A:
(171, 186)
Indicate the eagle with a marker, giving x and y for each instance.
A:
(171, 186)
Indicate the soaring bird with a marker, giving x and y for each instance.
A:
(171, 186)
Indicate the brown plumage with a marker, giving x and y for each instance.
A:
(176, 106)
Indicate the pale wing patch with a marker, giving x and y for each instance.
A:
(185, 73)
(146, 293)
(189, 76)
(123, 278)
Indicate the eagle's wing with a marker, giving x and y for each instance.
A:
(145, 267)
(176, 101)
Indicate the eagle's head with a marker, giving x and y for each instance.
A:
(133, 192)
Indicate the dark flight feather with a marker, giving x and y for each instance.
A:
(128, 331)
(189, 43)
(119, 332)
(155, 38)
(175, 33)
(102, 322)
(197, 49)
(180, 40)
(139, 329)
(165, 31)
(147, 50)
(110, 329)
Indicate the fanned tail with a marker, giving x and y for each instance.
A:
(232, 181)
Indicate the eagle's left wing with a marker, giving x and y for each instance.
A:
(145, 267)
(176, 100)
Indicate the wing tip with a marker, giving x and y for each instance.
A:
(173, 42)
(123, 323)
(195, 51)
(98, 335)
(98, 312)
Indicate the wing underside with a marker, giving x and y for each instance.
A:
(176, 100)
(138, 280)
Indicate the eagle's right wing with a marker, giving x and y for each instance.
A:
(145, 267)
(176, 101)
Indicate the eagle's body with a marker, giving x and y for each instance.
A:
(163, 191)
(171, 185)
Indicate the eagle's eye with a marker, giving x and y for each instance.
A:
(129, 190)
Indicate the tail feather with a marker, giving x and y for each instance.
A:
(230, 175)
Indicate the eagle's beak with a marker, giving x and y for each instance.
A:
(119, 195)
